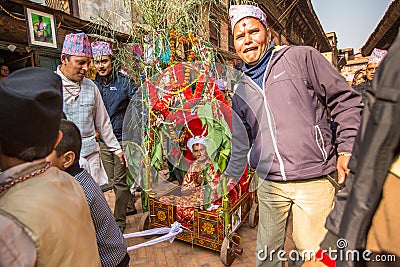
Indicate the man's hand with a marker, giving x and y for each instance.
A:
(122, 158)
(342, 169)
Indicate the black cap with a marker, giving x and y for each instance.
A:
(30, 107)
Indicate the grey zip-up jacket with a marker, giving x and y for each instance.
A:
(286, 122)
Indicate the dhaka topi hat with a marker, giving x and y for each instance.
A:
(377, 56)
(196, 140)
(239, 12)
(30, 107)
(101, 49)
(77, 44)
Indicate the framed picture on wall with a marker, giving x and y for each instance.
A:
(41, 28)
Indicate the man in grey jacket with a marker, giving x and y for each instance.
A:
(281, 106)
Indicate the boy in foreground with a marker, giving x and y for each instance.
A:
(110, 241)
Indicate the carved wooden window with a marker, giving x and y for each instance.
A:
(214, 27)
(63, 5)
(231, 45)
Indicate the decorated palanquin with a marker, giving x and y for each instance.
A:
(199, 191)
(206, 227)
(213, 228)
(184, 100)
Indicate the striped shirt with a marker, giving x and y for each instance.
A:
(110, 241)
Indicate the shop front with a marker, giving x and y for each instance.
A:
(32, 34)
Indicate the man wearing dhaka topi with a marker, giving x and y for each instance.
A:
(281, 126)
(83, 104)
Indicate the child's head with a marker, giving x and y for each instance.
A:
(68, 150)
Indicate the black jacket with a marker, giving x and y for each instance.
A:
(364, 89)
(376, 146)
(116, 94)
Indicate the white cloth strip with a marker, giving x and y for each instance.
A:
(171, 233)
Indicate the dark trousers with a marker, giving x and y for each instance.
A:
(116, 173)
(125, 261)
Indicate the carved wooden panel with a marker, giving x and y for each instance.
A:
(12, 30)
(62, 5)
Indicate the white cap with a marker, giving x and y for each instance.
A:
(196, 140)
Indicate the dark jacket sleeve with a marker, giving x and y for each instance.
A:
(376, 146)
(132, 88)
(333, 91)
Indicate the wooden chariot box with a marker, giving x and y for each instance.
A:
(208, 226)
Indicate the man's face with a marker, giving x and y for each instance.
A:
(4, 71)
(103, 65)
(75, 67)
(200, 152)
(370, 71)
(251, 40)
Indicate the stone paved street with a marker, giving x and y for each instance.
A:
(181, 253)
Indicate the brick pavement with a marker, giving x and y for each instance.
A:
(180, 253)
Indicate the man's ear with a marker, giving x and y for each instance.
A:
(69, 159)
(59, 138)
(269, 34)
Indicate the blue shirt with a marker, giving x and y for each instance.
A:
(116, 94)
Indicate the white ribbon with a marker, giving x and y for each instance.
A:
(171, 233)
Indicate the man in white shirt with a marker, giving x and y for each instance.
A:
(83, 104)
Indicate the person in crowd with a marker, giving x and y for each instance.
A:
(4, 71)
(110, 241)
(41, 224)
(39, 29)
(83, 105)
(366, 213)
(359, 77)
(373, 63)
(281, 107)
(116, 90)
